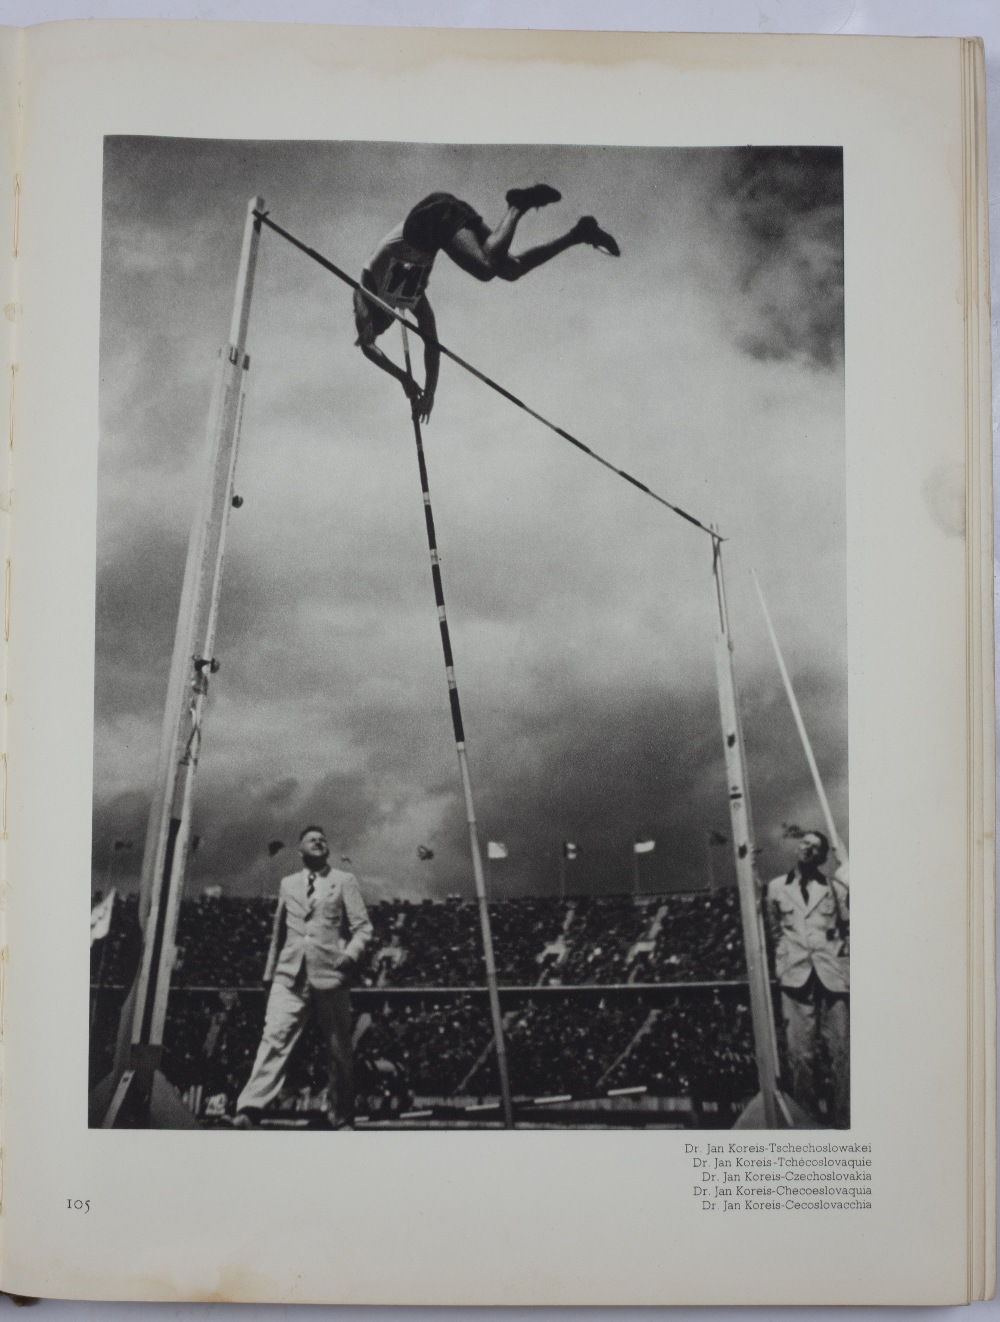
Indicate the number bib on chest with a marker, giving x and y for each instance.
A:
(404, 282)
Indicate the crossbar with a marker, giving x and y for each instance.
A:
(332, 267)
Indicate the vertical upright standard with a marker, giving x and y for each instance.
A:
(768, 1110)
(800, 725)
(463, 766)
(138, 1091)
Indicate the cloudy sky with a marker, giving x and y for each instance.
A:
(707, 360)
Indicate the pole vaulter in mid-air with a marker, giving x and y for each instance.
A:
(398, 270)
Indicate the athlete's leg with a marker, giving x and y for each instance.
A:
(482, 252)
(519, 200)
(512, 267)
(483, 256)
(490, 258)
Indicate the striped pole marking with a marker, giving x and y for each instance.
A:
(479, 874)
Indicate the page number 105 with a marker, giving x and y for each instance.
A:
(78, 1205)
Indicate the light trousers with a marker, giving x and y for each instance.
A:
(284, 1020)
(812, 1014)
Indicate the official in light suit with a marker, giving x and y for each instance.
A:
(809, 918)
(321, 928)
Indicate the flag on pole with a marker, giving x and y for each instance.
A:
(717, 838)
(644, 846)
(100, 917)
(570, 850)
(496, 849)
(424, 854)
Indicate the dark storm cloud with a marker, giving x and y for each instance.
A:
(236, 823)
(137, 597)
(786, 209)
(647, 764)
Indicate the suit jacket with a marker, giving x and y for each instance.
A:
(810, 936)
(321, 935)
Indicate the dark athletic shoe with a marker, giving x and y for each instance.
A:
(243, 1121)
(587, 229)
(539, 195)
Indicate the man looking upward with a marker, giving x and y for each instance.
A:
(809, 917)
(398, 270)
(321, 927)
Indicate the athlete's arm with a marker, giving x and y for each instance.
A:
(366, 343)
(424, 314)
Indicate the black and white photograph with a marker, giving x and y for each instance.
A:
(470, 705)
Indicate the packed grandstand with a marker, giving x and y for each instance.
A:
(635, 1003)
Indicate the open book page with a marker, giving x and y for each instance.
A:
(714, 362)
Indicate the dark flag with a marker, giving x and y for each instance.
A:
(275, 847)
(717, 838)
(424, 854)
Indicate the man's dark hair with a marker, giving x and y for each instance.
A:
(820, 835)
(306, 829)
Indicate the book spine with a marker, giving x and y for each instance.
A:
(12, 54)
(981, 1209)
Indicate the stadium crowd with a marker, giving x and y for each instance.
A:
(685, 937)
(585, 1016)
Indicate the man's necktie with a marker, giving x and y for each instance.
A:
(310, 885)
(804, 887)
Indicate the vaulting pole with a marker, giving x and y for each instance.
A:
(463, 767)
(140, 1089)
(768, 1106)
(835, 840)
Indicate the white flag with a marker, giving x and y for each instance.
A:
(100, 917)
(496, 849)
(644, 846)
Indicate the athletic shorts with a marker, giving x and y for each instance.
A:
(437, 219)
